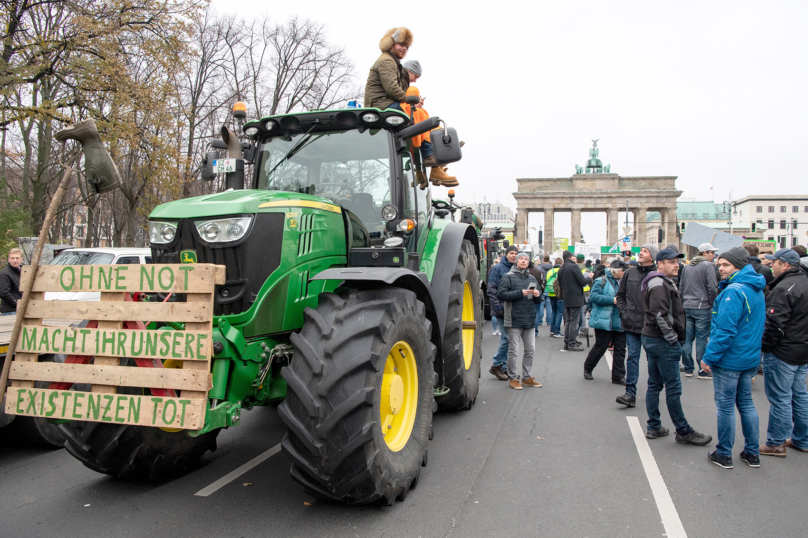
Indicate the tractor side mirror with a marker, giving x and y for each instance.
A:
(419, 128)
(207, 166)
(446, 145)
(412, 99)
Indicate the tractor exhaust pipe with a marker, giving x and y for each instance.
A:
(100, 172)
(234, 180)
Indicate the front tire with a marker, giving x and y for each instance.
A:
(462, 350)
(360, 396)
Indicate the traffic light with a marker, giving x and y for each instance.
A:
(754, 226)
(541, 237)
(660, 236)
(683, 227)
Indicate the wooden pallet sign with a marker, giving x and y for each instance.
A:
(166, 387)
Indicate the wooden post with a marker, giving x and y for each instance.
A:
(22, 304)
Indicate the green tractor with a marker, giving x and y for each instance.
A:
(345, 298)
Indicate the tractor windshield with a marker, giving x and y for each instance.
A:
(348, 167)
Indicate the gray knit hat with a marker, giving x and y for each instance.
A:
(652, 249)
(737, 256)
(413, 66)
(523, 254)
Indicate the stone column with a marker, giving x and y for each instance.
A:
(641, 227)
(549, 230)
(612, 227)
(670, 227)
(521, 235)
(575, 236)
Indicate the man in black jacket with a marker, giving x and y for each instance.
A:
(757, 265)
(10, 283)
(572, 282)
(519, 293)
(785, 355)
(632, 315)
(663, 332)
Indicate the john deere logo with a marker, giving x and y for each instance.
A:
(188, 256)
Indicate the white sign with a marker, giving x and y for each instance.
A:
(591, 252)
(224, 166)
(625, 244)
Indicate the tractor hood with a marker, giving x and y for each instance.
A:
(239, 202)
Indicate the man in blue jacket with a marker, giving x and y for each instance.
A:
(498, 311)
(733, 354)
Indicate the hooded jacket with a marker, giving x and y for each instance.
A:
(496, 274)
(605, 315)
(572, 284)
(739, 314)
(630, 300)
(786, 331)
(664, 313)
(761, 269)
(520, 309)
(698, 284)
(9, 289)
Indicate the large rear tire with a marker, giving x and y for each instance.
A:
(360, 396)
(462, 350)
(135, 451)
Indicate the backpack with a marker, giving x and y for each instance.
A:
(557, 289)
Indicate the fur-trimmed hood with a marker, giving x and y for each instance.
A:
(395, 35)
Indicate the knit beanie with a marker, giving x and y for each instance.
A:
(567, 254)
(511, 248)
(652, 249)
(672, 246)
(413, 66)
(522, 255)
(737, 256)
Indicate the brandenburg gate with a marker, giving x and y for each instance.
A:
(595, 189)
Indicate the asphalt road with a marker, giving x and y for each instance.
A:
(556, 461)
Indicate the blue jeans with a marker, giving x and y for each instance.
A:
(7, 313)
(556, 315)
(537, 322)
(733, 388)
(663, 371)
(634, 346)
(494, 322)
(698, 327)
(501, 358)
(788, 401)
(548, 308)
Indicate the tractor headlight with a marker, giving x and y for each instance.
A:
(251, 131)
(370, 117)
(389, 212)
(394, 120)
(223, 230)
(162, 232)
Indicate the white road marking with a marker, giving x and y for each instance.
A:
(609, 358)
(229, 477)
(667, 510)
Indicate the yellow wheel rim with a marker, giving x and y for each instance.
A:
(468, 334)
(399, 400)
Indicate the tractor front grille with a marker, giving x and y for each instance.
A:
(249, 262)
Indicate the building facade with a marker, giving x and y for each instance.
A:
(780, 218)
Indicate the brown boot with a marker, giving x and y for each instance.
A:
(530, 382)
(439, 177)
(776, 451)
(514, 384)
(420, 178)
(430, 161)
(790, 444)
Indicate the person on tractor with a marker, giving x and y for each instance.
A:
(388, 81)
(438, 175)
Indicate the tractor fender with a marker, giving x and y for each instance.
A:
(398, 277)
(445, 262)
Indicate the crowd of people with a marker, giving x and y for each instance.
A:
(745, 315)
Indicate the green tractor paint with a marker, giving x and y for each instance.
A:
(346, 296)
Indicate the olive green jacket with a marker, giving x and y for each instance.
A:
(387, 82)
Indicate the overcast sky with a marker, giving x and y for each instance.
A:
(712, 92)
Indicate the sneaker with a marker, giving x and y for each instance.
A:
(689, 374)
(694, 438)
(776, 451)
(494, 333)
(627, 399)
(514, 384)
(555, 335)
(790, 444)
(498, 372)
(573, 348)
(620, 381)
(705, 375)
(653, 434)
(725, 462)
(752, 460)
(588, 375)
(530, 382)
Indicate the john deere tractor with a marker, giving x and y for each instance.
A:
(345, 297)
